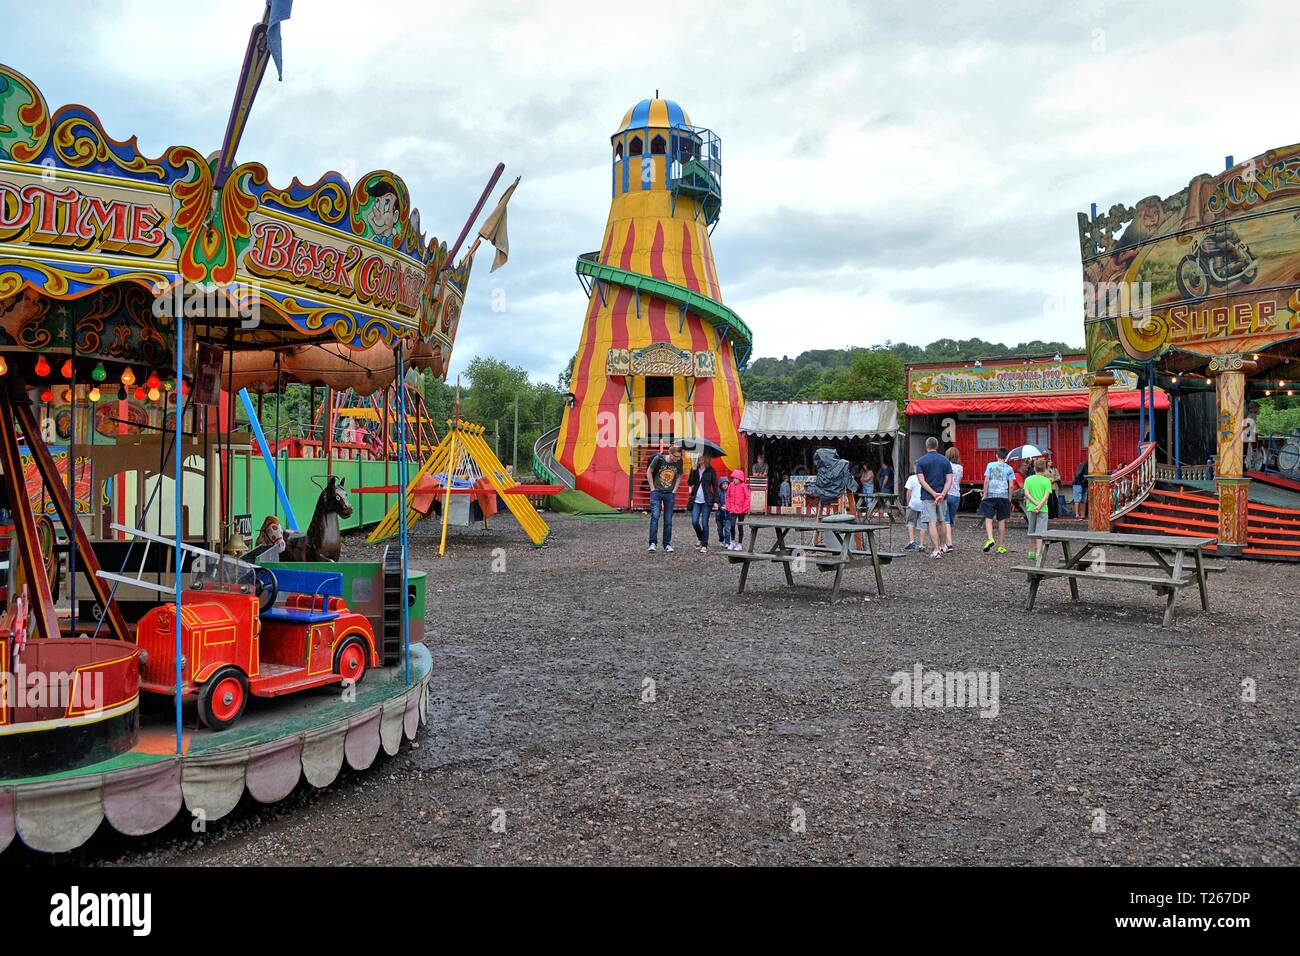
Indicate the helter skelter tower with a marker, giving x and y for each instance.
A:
(660, 355)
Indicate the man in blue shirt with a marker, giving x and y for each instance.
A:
(935, 472)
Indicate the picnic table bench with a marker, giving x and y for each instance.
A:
(839, 557)
(886, 503)
(1167, 573)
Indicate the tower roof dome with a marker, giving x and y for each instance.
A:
(654, 114)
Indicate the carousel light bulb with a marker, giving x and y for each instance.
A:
(139, 393)
(128, 377)
(94, 394)
(169, 385)
(185, 387)
(4, 366)
(154, 394)
(42, 367)
(65, 396)
(153, 381)
(66, 371)
(47, 396)
(99, 373)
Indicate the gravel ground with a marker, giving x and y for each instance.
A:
(771, 715)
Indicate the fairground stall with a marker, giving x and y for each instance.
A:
(787, 434)
(148, 660)
(986, 404)
(1200, 292)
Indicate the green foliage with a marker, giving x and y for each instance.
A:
(494, 391)
(875, 375)
(565, 378)
(1278, 416)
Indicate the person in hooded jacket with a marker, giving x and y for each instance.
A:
(737, 505)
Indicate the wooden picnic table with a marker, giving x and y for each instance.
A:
(1167, 573)
(835, 558)
(881, 502)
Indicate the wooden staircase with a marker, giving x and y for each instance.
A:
(1272, 534)
(641, 488)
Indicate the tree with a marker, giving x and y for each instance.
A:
(875, 375)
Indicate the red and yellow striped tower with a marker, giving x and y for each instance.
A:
(660, 354)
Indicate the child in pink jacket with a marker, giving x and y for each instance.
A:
(737, 508)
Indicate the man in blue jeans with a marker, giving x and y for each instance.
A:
(663, 473)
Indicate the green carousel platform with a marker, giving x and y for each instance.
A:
(277, 742)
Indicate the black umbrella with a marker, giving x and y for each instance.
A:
(702, 446)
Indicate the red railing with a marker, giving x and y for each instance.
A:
(1130, 485)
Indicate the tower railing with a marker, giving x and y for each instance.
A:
(695, 169)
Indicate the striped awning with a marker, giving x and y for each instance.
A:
(819, 419)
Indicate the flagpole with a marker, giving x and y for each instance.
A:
(473, 217)
(250, 81)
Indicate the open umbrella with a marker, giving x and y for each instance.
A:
(1024, 453)
(702, 446)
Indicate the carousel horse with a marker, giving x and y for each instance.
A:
(322, 542)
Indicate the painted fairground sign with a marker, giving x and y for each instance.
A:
(93, 223)
(1018, 379)
(1211, 270)
(662, 359)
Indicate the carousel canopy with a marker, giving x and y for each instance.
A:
(100, 245)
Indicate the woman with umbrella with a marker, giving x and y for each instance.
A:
(703, 485)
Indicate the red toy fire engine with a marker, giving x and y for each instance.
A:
(237, 641)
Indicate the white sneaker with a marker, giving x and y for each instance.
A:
(655, 548)
(668, 548)
(704, 549)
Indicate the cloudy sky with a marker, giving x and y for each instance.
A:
(896, 169)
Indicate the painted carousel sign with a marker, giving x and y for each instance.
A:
(1212, 270)
(82, 213)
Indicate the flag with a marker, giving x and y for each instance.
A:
(494, 228)
(280, 10)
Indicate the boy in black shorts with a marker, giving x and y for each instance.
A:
(996, 503)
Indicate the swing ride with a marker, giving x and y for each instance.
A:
(139, 296)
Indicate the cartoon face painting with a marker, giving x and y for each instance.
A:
(384, 213)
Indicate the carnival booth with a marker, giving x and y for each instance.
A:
(787, 434)
(986, 404)
(138, 296)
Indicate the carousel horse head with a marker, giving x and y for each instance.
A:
(272, 532)
(333, 499)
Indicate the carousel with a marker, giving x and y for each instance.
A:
(152, 663)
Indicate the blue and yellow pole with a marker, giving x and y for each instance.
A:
(402, 479)
(180, 499)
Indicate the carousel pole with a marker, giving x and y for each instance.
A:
(451, 470)
(402, 506)
(327, 439)
(72, 480)
(384, 433)
(180, 498)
